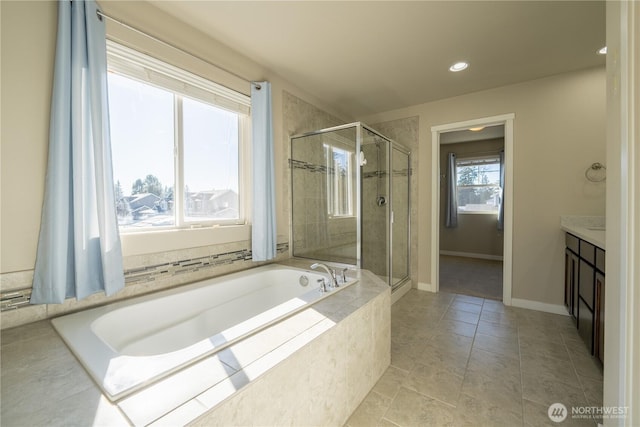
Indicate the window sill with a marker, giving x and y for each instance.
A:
(147, 242)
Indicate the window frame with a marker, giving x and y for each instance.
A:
(477, 160)
(333, 181)
(140, 67)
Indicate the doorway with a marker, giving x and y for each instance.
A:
(489, 256)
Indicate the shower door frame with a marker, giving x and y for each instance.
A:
(392, 144)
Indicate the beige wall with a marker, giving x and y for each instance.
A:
(28, 48)
(475, 233)
(559, 130)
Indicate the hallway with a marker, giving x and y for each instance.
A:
(463, 361)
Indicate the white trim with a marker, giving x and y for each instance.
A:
(472, 255)
(507, 121)
(426, 287)
(539, 306)
(400, 291)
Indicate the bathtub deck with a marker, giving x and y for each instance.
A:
(43, 384)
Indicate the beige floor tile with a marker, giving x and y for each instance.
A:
(504, 317)
(448, 326)
(466, 306)
(592, 390)
(391, 381)
(413, 409)
(472, 411)
(501, 389)
(443, 359)
(492, 364)
(561, 370)
(462, 316)
(404, 356)
(435, 382)
(370, 411)
(455, 364)
(533, 346)
(587, 366)
(470, 299)
(507, 346)
(497, 329)
(545, 391)
(491, 305)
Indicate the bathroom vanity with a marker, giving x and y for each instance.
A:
(584, 280)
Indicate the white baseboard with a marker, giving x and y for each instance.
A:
(399, 292)
(472, 255)
(425, 287)
(540, 306)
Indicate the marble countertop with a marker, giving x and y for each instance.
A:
(589, 228)
(44, 384)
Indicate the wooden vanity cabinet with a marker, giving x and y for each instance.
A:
(585, 291)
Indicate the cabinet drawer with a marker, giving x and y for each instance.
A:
(588, 251)
(586, 282)
(572, 242)
(600, 259)
(585, 324)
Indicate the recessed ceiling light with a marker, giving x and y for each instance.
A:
(458, 66)
(476, 129)
(602, 51)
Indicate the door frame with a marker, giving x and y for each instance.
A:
(507, 263)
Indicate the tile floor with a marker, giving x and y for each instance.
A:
(464, 361)
(471, 276)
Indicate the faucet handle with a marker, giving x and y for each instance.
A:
(344, 275)
(323, 285)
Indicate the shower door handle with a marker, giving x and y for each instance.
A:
(392, 218)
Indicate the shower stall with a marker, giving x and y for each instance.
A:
(350, 200)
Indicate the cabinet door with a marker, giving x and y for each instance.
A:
(599, 320)
(574, 284)
(586, 281)
(568, 281)
(585, 324)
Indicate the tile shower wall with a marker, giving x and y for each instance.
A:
(315, 232)
(406, 132)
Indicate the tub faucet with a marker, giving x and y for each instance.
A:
(331, 273)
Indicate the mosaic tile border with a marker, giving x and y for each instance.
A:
(21, 298)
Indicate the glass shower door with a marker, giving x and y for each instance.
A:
(323, 208)
(375, 204)
(400, 216)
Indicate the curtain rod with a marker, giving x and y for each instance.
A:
(124, 24)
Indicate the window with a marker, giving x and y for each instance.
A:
(478, 182)
(340, 195)
(177, 144)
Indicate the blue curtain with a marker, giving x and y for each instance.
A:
(501, 207)
(451, 214)
(263, 230)
(79, 251)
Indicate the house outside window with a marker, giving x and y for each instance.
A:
(340, 192)
(478, 185)
(178, 144)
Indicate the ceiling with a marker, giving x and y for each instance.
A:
(365, 57)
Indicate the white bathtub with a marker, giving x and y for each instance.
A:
(130, 344)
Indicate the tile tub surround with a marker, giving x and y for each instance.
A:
(589, 228)
(143, 274)
(321, 374)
